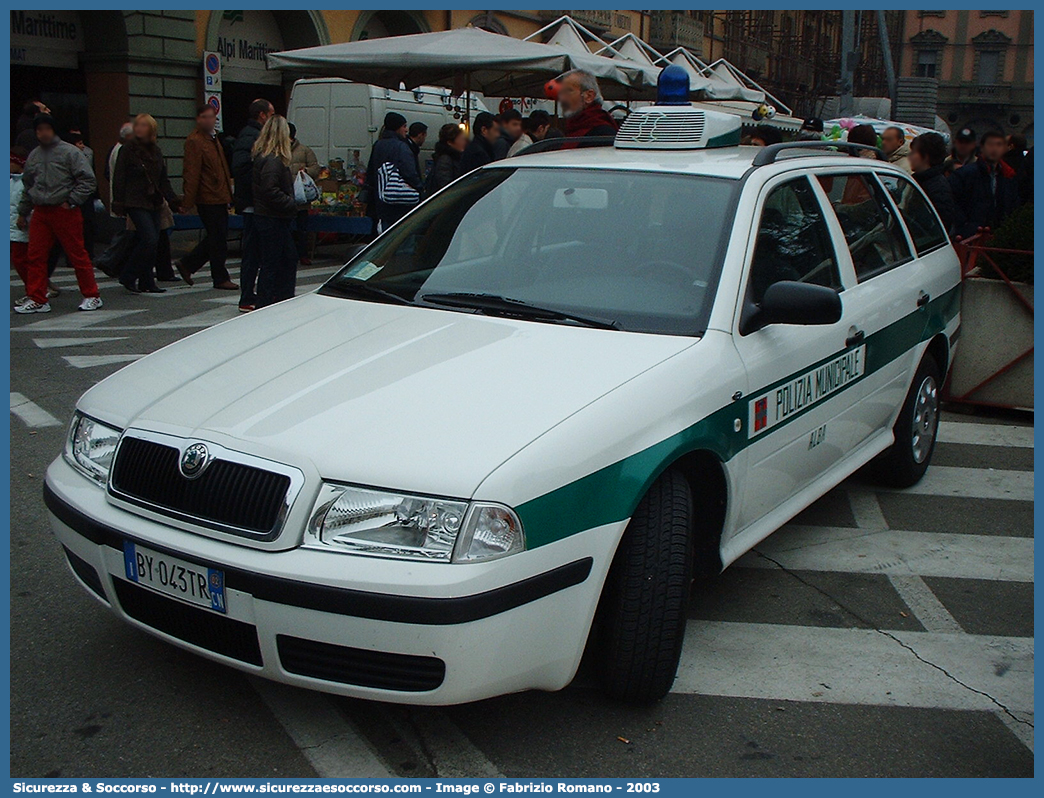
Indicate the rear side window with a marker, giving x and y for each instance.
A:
(793, 241)
(925, 230)
(873, 233)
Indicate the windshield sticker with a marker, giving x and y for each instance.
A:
(364, 270)
(805, 390)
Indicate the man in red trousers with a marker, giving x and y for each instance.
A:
(58, 180)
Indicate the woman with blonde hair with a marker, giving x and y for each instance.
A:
(275, 209)
(139, 188)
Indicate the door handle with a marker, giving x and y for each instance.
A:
(923, 299)
(854, 337)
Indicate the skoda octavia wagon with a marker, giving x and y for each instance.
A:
(523, 420)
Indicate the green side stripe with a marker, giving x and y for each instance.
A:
(610, 494)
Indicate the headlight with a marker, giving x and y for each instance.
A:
(91, 446)
(386, 524)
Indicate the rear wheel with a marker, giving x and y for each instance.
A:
(645, 602)
(915, 430)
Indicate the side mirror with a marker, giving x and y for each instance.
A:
(788, 302)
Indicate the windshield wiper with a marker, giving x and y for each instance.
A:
(493, 303)
(349, 286)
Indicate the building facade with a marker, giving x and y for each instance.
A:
(982, 62)
(97, 68)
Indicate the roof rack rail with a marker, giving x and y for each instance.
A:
(768, 154)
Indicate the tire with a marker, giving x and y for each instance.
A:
(916, 430)
(646, 597)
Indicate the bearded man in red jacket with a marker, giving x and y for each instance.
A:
(581, 102)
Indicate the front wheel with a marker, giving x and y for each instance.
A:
(915, 430)
(646, 597)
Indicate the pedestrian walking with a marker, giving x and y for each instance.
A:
(524, 140)
(260, 112)
(75, 138)
(896, 150)
(581, 102)
(392, 177)
(207, 188)
(448, 151)
(111, 260)
(274, 210)
(479, 151)
(927, 160)
(985, 190)
(57, 181)
(25, 129)
(510, 132)
(139, 187)
(1026, 179)
(302, 159)
(964, 152)
(19, 237)
(811, 130)
(415, 137)
(1016, 158)
(540, 128)
(764, 135)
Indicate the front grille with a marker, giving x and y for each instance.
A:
(227, 494)
(203, 628)
(379, 669)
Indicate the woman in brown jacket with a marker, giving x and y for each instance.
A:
(208, 187)
(139, 186)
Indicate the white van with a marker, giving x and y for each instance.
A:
(336, 116)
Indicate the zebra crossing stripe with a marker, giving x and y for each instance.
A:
(206, 318)
(88, 361)
(972, 483)
(31, 413)
(856, 666)
(895, 552)
(986, 434)
(866, 509)
(76, 321)
(924, 604)
(332, 745)
(52, 343)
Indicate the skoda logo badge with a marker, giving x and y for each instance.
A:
(194, 461)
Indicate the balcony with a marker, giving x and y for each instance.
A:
(597, 21)
(670, 29)
(989, 94)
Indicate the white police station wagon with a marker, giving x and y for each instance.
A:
(523, 420)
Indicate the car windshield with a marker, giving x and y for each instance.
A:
(626, 250)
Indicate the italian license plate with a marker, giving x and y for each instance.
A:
(196, 584)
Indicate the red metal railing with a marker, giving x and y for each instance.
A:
(973, 252)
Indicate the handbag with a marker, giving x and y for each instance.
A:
(166, 216)
(305, 189)
(392, 189)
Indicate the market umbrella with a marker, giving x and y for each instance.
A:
(481, 61)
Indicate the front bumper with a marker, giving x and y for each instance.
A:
(421, 633)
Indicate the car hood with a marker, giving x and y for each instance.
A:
(409, 398)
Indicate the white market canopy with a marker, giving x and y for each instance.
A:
(487, 62)
(631, 48)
